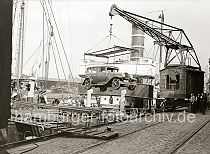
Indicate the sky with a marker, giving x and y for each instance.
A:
(84, 23)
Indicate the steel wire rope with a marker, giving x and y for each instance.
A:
(49, 23)
(46, 15)
(59, 56)
(156, 52)
(97, 44)
(37, 49)
(120, 40)
(56, 65)
(48, 19)
(62, 43)
(69, 28)
(152, 48)
(49, 26)
(41, 59)
(36, 60)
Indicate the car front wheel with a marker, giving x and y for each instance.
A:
(116, 83)
(87, 84)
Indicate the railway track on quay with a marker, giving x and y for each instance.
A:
(170, 148)
(174, 150)
(125, 134)
(134, 137)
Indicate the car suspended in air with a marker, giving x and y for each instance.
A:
(108, 76)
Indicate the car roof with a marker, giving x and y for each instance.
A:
(104, 66)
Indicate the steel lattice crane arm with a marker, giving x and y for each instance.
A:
(173, 38)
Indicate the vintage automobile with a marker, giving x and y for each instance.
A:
(108, 76)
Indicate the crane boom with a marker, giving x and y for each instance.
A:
(176, 40)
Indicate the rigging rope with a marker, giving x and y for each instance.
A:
(37, 49)
(56, 64)
(62, 43)
(61, 63)
(49, 25)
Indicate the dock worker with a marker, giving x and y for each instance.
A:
(192, 103)
(198, 103)
(203, 103)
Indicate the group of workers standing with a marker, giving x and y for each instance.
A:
(198, 103)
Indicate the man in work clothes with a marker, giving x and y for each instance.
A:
(203, 103)
(197, 103)
(192, 103)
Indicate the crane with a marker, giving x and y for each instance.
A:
(178, 81)
(176, 42)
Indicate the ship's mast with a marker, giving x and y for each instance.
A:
(19, 66)
(43, 54)
(161, 16)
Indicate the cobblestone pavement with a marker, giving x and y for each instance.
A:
(71, 145)
(133, 138)
(158, 139)
(200, 143)
(58, 145)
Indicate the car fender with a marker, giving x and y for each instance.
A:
(86, 79)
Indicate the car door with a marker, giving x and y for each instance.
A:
(94, 75)
(109, 74)
(102, 75)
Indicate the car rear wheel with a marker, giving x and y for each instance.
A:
(116, 83)
(87, 84)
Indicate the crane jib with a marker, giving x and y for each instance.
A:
(175, 40)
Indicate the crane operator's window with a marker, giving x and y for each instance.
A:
(173, 81)
(167, 82)
(177, 81)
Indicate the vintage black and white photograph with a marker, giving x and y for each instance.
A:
(104, 77)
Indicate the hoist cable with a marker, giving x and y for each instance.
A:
(97, 44)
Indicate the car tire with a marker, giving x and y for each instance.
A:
(115, 83)
(131, 87)
(87, 84)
